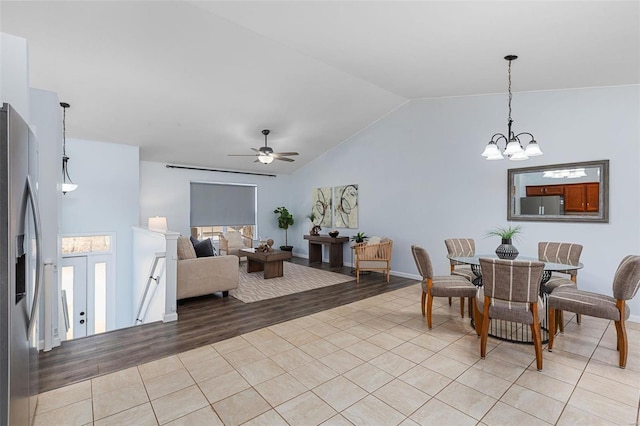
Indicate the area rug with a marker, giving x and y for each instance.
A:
(253, 287)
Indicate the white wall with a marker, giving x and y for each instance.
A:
(46, 122)
(165, 192)
(14, 74)
(107, 200)
(421, 177)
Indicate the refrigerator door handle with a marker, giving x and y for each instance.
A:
(33, 202)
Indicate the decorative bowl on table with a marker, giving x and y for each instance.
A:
(333, 234)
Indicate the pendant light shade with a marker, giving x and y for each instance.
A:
(513, 146)
(67, 183)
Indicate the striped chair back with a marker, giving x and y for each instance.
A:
(511, 280)
(567, 253)
(465, 247)
(423, 261)
(626, 281)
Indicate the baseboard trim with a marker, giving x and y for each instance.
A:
(634, 318)
(170, 317)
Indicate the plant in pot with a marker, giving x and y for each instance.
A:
(285, 220)
(506, 250)
(359, 237)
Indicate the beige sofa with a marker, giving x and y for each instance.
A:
(198, 276)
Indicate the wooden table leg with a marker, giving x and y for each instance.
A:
(315, 252)
(273, 269)
(335, 254)
(253, 266)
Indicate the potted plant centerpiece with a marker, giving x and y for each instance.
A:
(285, 220)
(506, 250)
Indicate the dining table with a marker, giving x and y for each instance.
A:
(507, 330)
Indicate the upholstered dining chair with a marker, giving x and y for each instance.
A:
(626, 282)
(373, 257)
(439, 286)
(461, 247)
(510, 291)
(568, 253)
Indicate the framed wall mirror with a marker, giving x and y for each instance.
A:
(570, 192)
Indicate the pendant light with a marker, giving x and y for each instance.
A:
(513, 147)
(67, 184)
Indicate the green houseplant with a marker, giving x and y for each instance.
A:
(359, 237)
(285, 220)
(506, 250)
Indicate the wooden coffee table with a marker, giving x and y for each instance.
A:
(269, 262)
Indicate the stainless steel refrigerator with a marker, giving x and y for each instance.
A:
(20, 271)
(544, 205)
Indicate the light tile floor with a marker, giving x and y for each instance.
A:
(372, 362)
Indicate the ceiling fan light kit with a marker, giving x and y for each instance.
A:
(513, 147)
(265, 153)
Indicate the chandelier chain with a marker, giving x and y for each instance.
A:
(510, 95)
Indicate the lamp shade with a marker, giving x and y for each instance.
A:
(265, 159)
(157, 223)
(513, 147)
(491, 150)
(533, 149)
(68, 187)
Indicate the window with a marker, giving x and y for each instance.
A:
(87, 244)
(217, 207)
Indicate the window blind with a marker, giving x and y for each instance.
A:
(214, 204)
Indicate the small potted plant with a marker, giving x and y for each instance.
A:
(285, 220)
(359, 237)
(506, 250)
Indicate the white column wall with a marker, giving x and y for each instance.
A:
(107, 200)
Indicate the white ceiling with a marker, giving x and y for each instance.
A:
(191, 82)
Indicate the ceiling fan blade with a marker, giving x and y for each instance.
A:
(283, 154)
(284, 159)
(256, 150)
(242, 155)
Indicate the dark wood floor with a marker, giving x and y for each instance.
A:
(201, 321)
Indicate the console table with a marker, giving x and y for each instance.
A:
(335, 248)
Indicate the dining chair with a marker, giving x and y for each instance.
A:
(626, 282)
(439, 286)
(461, 247)
(510, 291)
(567, 253)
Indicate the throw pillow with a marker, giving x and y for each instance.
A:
(203, 248)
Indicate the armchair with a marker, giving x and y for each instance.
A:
(232, 241)
(373, 257)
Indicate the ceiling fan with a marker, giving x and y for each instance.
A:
(265, 153)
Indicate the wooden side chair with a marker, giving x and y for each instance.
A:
(626, 282)
(567, 253)
(373, 257)
(438, 286)
(511, 291)
(461, 247)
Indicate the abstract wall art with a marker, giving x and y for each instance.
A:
(345, 206)
(321, 206)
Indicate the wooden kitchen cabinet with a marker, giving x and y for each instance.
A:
(582, 197)
(535, 190)
(592, 196)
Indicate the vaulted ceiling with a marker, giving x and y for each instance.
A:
(193, 81)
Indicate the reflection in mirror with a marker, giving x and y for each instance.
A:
(571, 192)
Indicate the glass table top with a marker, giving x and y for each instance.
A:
(548, 266)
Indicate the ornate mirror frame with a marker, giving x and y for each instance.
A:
(567, 192)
